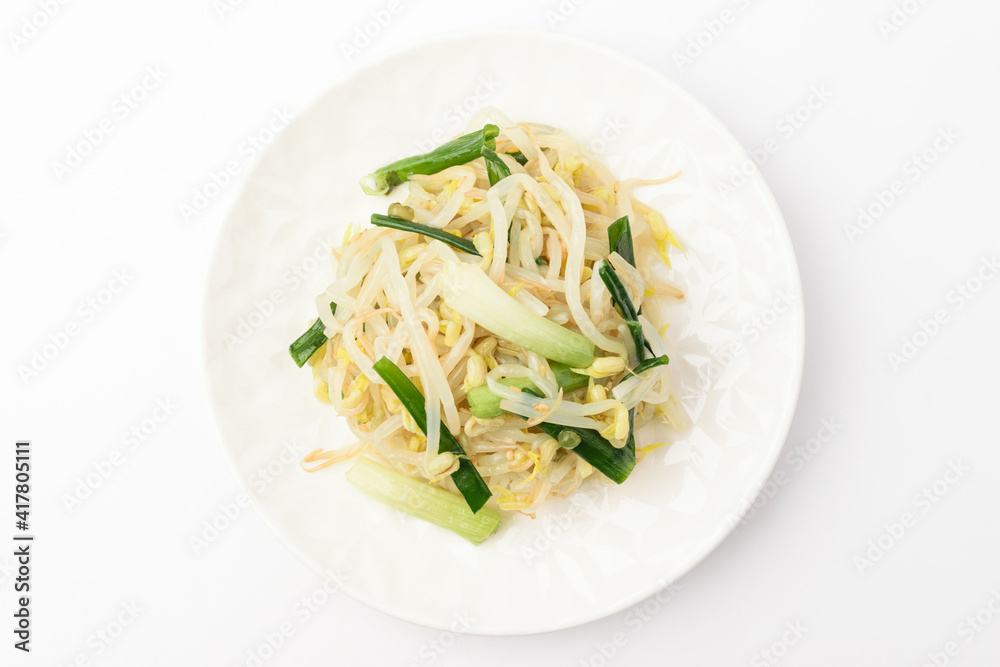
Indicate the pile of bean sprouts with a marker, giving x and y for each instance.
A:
(540, 232)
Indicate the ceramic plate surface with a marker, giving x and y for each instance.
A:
(735, 344)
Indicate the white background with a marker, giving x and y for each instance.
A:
(803, 559)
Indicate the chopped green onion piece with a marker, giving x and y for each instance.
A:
(496, 169)
(468, 480)
(616, 464)
(457, 151)
(623, 302)
(422, 500)
(625, 306)
(397, 210)
(519, 156)
(468, 290)
(635, 328)
(313, 339)
(541, 261)
(465, 245)
(650, 363)
(484, 404)
(620, 239)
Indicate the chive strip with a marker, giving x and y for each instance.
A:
(624, 305)
(619, 294)
(465, 245)
(615, 464)
(457, 151)
(519, 156)
(496, 169)
(468, 480)
(484, 404)
(644, 366)
(635, 328)
(313, 339)
(620, 239)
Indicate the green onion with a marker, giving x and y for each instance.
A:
(620, 239)
(465, 245)
(519, 156)
(623, 302)
(466, 478)
(422, 500)
(644, 366)
(484, 404)
(616, 464)
(468, 290)
(541, 261)
(313, 339)
(496, 169)
(457, 151)
(635, 328)
(624, 305)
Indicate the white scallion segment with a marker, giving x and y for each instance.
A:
(471, 292)
(422, 500)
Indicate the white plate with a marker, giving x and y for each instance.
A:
(599, 551)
